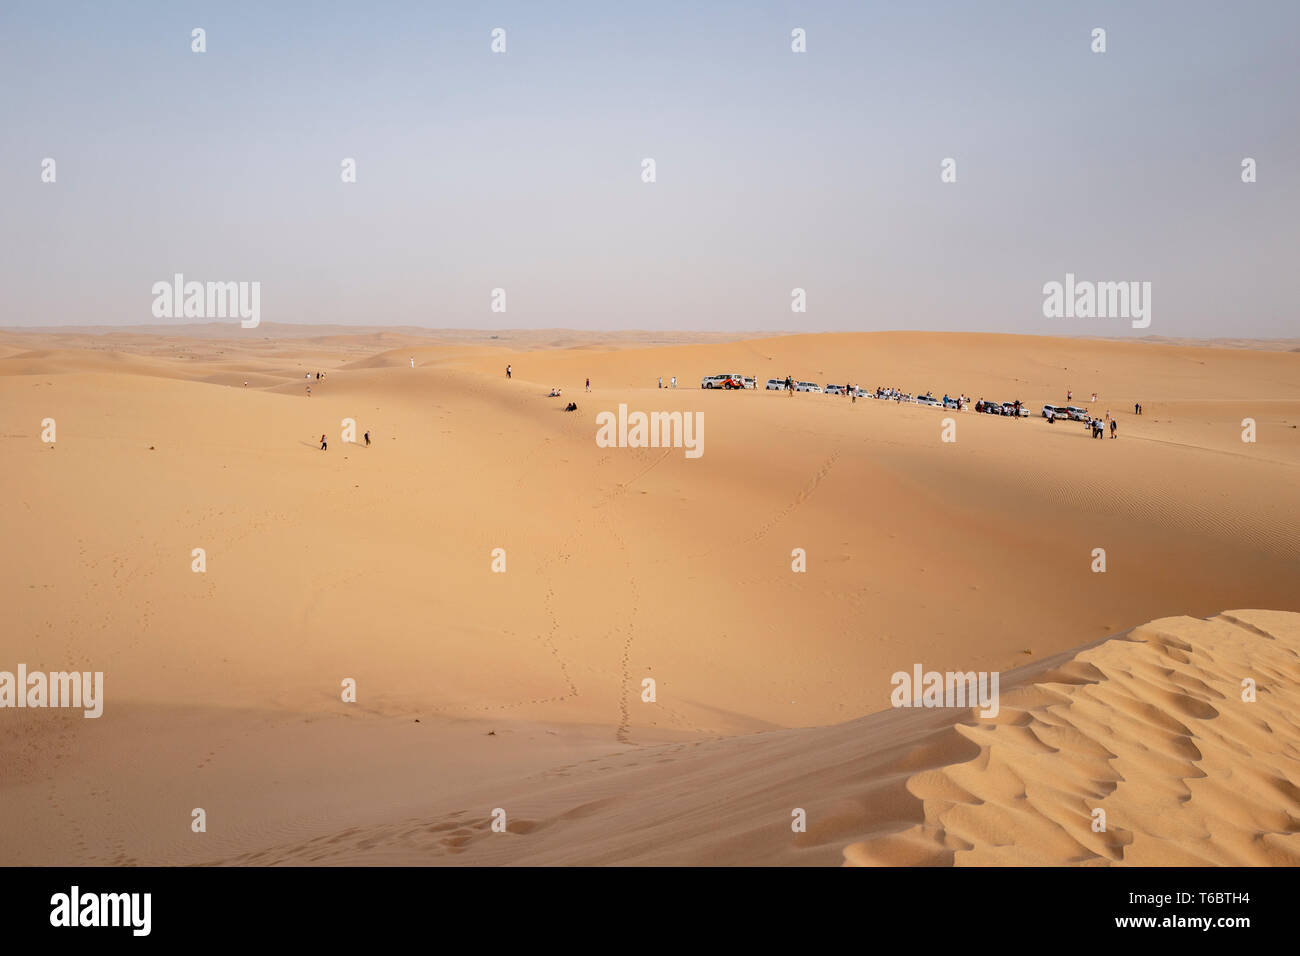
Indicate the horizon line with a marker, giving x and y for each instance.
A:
(773, 333)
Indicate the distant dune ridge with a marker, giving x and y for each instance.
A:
(523, 691)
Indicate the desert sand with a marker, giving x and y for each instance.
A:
(522, 690)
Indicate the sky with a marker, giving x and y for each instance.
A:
(774, 170)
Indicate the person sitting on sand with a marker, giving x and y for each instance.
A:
(571, 407)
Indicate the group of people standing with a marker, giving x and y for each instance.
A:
(983, 406)
(897, 394)
(1098, 428)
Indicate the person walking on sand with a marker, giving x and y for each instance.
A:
(508, 371)
(412, 361)
(1069, 395)
(323, 445)
(674, 381)
(1113, 425)
(661, 381)
(367, 439)
(589, 385)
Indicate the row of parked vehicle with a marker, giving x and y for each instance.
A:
(1003, 408)
(1070, 412)
(778, 384)
(773, 384)
(831, 388)
(1066, 412)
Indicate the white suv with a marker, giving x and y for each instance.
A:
(723, 381)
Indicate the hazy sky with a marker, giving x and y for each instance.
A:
(775, 169)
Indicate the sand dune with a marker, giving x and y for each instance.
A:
(1153, 732)
(625, 564)
(1148, 727)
